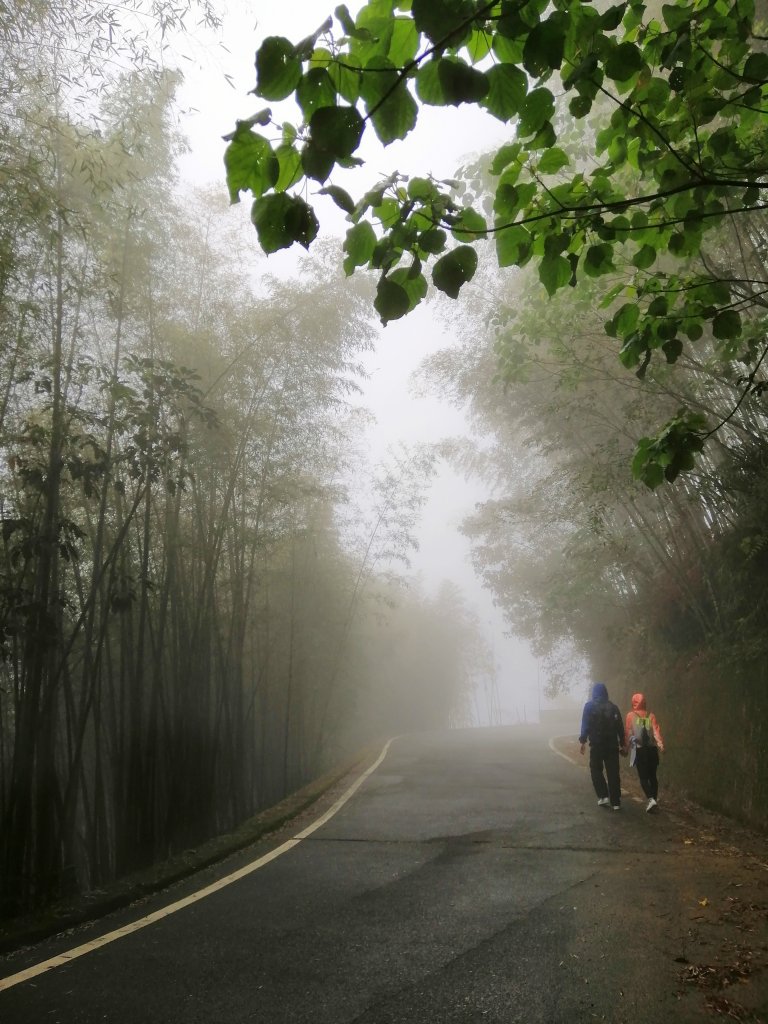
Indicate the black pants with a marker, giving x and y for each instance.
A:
(605, 756)
(647, 762)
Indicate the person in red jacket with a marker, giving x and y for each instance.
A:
(642, 736)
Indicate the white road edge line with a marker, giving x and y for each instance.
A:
(158, 915)
(559, 753)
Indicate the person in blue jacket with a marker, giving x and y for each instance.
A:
(602, 725)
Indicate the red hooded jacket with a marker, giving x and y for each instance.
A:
(638, 712)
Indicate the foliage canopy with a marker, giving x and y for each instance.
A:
(680, 150)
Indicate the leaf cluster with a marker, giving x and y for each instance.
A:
(681, 150)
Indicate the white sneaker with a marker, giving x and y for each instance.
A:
(603, 802)
(652, 805)
(617, 807)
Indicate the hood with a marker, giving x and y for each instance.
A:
(599, 691)
(638, 702)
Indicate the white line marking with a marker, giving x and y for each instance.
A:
(559, 753)
(158, 915)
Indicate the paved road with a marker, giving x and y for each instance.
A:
(470, 879)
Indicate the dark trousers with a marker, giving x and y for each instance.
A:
(647, 763)
(605, 756)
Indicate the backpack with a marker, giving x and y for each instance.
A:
(642, 731)
(602, 726)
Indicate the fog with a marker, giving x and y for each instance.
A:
(218, 80)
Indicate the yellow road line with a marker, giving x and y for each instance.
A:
(158, 915)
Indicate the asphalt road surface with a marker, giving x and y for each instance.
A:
(471, 878)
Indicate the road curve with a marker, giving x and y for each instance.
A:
(470, 878)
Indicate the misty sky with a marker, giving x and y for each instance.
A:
(219, 76)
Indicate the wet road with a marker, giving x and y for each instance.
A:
(471, 878)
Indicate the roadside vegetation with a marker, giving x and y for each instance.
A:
(191, 593)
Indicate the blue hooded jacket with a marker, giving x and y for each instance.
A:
(601, 721)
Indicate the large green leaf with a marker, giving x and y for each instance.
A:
(513, 246)
(278, 70)
(460, 82)
(315, 90)
(281, 219)
(624, 61)
(552, 160)
(359, 245)
(454, 269)
(543, 50)
(290, 167)
(443, 20)
(250, 163)
(727, 324)
(469, 226)
(538, 108)
(337, 130)
(389, 103)
(554, 273)
(507, 88)
(404, 43)
(392, 300)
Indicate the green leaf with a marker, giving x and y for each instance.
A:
(538, 108)
(507, 89)
(250, 163)
(429, 88)
(422, 189)
(315, 90)
(316, 162)
(505, 156)
(345, 18)
(513, 246)
(644, 257)
(412, 281)
(553, 160)
(624, 61)
(291, 170)
(580, 106)
(386, 94)
(554, 273)
(278, 71)
(726, 324)
(598, 260)
(346, 76)
(397, 115)
(672, 350)
(756, 68)
(392, 300)
(461, 83)
(343, 199)
(432, 241)
(404, 44)
(359, 245)
(282, 219)
(337, 130)
(469, 226)
(454, 269)
(442, 20)
(543, 50)
(612, 17)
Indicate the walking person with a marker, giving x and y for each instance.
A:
(642, 736)
(601, 724)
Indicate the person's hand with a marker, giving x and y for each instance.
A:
(582, 747)
(623, 751)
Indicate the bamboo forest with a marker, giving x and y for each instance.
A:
(209, 583)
